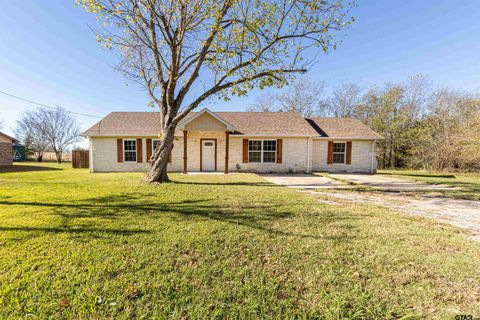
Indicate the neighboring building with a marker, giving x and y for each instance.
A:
(245, 141)
(18, 151)
(6, 150)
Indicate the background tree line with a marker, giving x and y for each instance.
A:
(424, 126)
(43, 130)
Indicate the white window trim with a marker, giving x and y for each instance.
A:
(124, 158)
(344, 154)
(261, 150)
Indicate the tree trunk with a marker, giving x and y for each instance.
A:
(58, 155)
(158, 170)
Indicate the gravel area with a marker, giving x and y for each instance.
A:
(457, 212)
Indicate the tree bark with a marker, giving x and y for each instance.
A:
(158, 169)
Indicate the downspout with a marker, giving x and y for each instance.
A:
(372, 169)
(309, 154)
(90, 154)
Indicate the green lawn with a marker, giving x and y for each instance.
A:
(79, 245)
(469, 182)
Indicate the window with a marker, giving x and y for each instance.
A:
(339, 152)
(155, 144)
(262, 151)
(130, 150)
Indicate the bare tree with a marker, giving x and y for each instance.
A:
(219, 47)
(264, 103)
(30, 135)
(304, 96)
(59, 128)
(345, 99)
(44, 128)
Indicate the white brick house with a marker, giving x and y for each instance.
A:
(235, 141)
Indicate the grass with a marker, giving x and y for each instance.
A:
(468, 182)
(79, 245)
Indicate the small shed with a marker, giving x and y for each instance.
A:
(6, 151)
(19, 151)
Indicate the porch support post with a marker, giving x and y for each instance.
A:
(227, 142)
(185, 134)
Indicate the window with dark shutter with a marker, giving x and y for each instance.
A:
(339, 149)
(130, 150)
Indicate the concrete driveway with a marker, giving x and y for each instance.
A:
(388, 183)
(303, 181)
(460, 213)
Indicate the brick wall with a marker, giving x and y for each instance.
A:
(6, 153)
(104, 155)
(294, 156)
(361, 157)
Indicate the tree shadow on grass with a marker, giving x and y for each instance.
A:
(76, 230)
(248, 184)
(26, 168)
(262, 217)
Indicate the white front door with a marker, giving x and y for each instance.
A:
(208, 155)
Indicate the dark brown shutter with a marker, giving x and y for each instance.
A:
(139, 151)
(170, 155)
(149, 149)
(245, 150)
(119, 150)
(330, 153)
(349, 153)
(279, 150)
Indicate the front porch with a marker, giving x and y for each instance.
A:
(205, 151)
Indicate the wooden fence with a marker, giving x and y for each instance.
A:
(80, 159)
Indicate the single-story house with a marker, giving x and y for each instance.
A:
(6, 151)
(235, 141)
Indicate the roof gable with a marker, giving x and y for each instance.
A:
(205, 120)
(7, 137)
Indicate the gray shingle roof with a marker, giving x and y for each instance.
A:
(245, 123)
(343, 128)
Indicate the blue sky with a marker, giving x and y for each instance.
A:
(49, 54)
